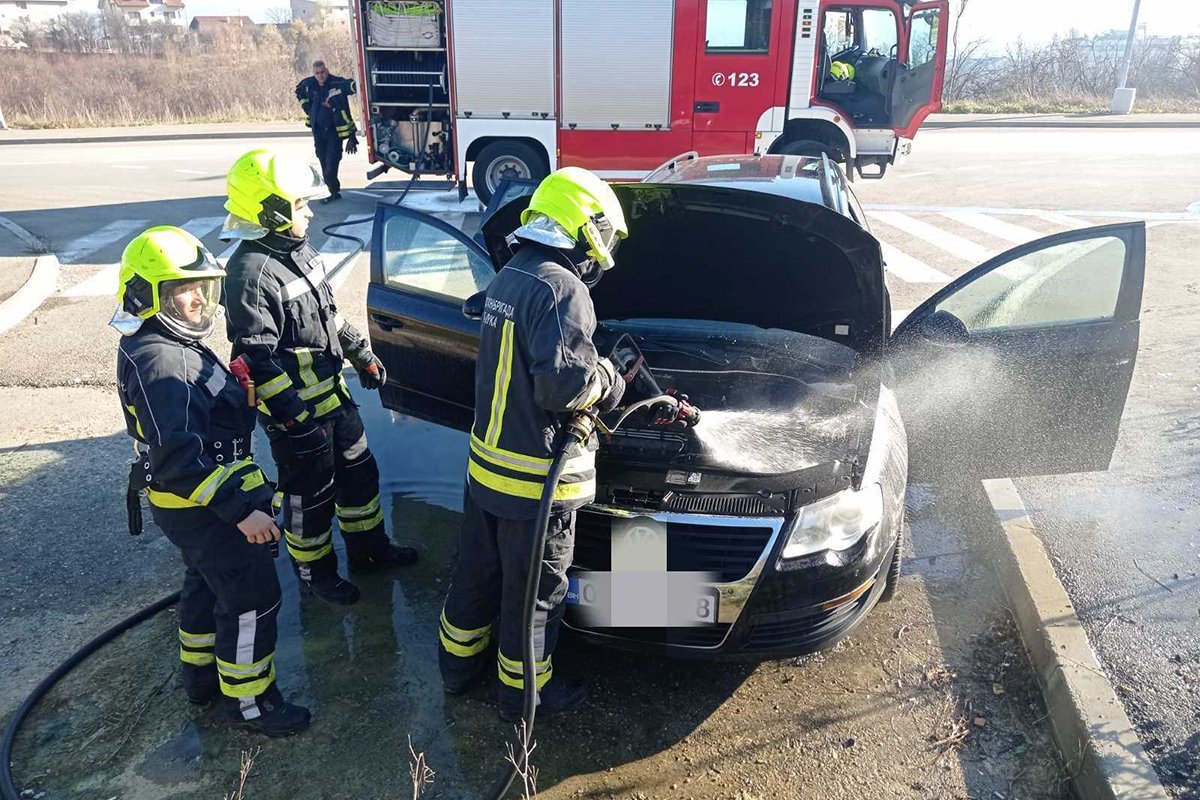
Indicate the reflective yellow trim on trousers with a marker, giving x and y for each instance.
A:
(500, 385)
(300, 549)
(462, 633)
(196, 659)
(528, 490)
(357, 512)
(533, 465)
(232, 670)
(463, 650)
(197, 639)
(304, 362)
(360, 525)
(507, 668)
(274, 386)
(248, 689)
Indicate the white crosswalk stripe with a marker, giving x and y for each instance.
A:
(909, 269)
(943, 240)
(993, 226)
(101, 283)
(98, 239)
(202, 226)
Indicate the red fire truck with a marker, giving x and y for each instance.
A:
(520, 87)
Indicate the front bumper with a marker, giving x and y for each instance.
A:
(769, 611)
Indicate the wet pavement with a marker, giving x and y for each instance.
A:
(930, 698)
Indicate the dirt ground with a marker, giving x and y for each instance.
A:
(930, 698)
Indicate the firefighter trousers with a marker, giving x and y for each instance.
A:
(227, 610)
(353, 497)
(328, 147)
(493, 562)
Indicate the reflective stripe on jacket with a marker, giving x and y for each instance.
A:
(536, 364)
(281, 315)
(329, 104)
(183, 405)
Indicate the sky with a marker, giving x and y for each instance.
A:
(999, 21)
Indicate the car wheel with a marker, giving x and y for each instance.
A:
(811, 147)
(505, 159)
(893, 576)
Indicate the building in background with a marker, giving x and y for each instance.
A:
(313, 12)
(139, 12)
(35, 10)
(211, 25)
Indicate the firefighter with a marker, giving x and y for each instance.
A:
(282, 319)
(192, 426)
(841, 71)
(537, 365)
(325, 99)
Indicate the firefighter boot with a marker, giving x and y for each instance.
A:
(200, 683)
(558, 696)
(458, 672)
(320, 578)
(276, 716)
(375, 552)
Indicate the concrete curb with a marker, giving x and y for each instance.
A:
(26, 300)
(154, 137)
(1089, 724)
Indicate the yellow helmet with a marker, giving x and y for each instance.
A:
(166, 271)
(584, 207)
(263, 185)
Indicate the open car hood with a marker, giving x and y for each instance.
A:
(735, 255)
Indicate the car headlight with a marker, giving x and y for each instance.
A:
(835, 523)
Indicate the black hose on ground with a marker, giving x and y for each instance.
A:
(8, 785)
(579, 429)
(360, 244)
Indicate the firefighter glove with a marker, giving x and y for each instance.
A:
(613, 383)
(371, 374)
(352, 144)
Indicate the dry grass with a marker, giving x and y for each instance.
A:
(247, 764)
(1066, 104)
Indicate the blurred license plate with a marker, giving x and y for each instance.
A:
(699, 607)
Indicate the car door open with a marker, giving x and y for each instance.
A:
(1022, 366)
(422, 270)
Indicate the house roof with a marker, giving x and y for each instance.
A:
(131, 3)
(202, 21)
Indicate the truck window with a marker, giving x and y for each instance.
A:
(879, 31)
(922, 38)
(738, 26)
(839, 32)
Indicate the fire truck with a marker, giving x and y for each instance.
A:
(517, 88)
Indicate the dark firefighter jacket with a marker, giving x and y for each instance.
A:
(327, 107)
(184, 406)
(536, 365)
(281, 316)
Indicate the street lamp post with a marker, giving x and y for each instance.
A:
(1123, 97)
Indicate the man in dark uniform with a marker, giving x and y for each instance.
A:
(537, 366)
(325, 99)
(192, 426)
(282, 319)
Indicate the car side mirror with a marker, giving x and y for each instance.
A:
(473, 307)
(942, 327)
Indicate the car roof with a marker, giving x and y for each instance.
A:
(795, 177)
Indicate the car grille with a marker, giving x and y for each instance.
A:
(699, 636)
(734, 505)
(729, 551)
(801, 632)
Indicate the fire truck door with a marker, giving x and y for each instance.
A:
(738, 50)
(917, 92)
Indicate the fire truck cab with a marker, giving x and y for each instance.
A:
(522, 87)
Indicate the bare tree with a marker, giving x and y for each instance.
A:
(75, 32)
(30, 33)
(279, 15)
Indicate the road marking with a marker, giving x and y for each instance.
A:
(192, 171)
(909, 269)
(335, 250)
(202, 226)
(952, 244)
(364, 193)
(902, 175)
(100, 284)
(1181, 216)
(899, 315)
(1070, 223)
(27, 238)
(29, 297)
(227, 252)
(112, 232)
(129, 166)
(993, 227)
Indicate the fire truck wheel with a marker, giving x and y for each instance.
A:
(811, 147)
(506, 159)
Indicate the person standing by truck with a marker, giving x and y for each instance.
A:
(325, 98)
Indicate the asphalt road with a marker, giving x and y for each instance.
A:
(1125, 541)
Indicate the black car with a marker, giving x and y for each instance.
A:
(754, 285)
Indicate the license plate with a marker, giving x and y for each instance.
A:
(699, 605)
